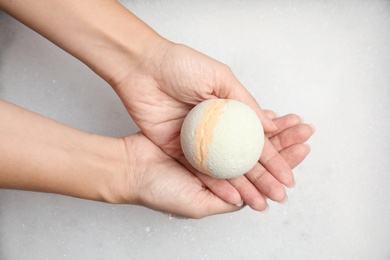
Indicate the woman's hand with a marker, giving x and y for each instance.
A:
(158, 181)
(161, 90)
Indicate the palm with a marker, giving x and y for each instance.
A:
(160, 104)
(164, 184)
(163, 92)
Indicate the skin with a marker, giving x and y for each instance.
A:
(52, 157)
(159, 82)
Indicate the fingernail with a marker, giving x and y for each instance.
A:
(240, 203)
(284, 201)
(266, 209)
(292, 185)
(312, 127)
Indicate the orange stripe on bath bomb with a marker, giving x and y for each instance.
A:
(205, 132)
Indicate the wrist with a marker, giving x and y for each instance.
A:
(124, 184)
(132, 179)
(114, 41)
(102, 34)
(123, 50)
(105, 165)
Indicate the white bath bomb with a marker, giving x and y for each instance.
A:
(223, 138)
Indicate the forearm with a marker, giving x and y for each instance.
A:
(101, 33)
(40, 154)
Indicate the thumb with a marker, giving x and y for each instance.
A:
(240, 93)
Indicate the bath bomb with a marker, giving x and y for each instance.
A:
(223, 138)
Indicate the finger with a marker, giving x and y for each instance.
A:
(284, 122)
(240, 93)
(266, 183)
(294, 135)
(199, 204)
(295, 154)
(249, 193)
(270, 114)
(276, 165)
(221, 188)
(210, 204)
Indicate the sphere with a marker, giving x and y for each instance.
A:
(223, 138)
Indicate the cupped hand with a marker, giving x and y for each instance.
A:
(259, 184)
(160, 91)
(158, 181)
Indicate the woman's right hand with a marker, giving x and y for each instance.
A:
(158, 181)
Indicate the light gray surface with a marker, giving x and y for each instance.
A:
(326, 60)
